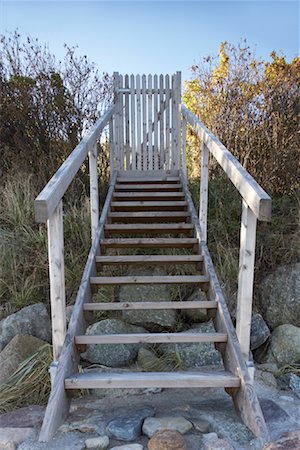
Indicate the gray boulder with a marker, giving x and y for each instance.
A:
(195, 354)
(280, 296)
(155, 320)
(112, 355)
(18, 349)
(285, 345)
(259, 331)
(33, 320)
(196, 315)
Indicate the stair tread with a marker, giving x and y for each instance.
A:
(96, 379)
(121, 306)
(169, 179)
(165, 279)
(156, 195)
(153, 227)
(149, 203)
(142, 338)
(147, 187)
(149, 242)
(150, 259)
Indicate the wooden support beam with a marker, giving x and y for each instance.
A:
(246, 277)
(204, 191)
(94, 189)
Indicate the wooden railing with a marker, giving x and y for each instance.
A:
(49, 209)
(256, 205)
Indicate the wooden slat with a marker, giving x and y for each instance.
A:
(144, 112)
(121, 130)
(183, 279)
(149, 243)
(149, 338)
(170, 228)
(121, 306)
(149, 259)
(150, 146)
(127, 125)
(173, 134)
(148, 206)
(123, 196)
(155, 122)
(96, 380)
(167, 132)
(117, 143)
(148, 179)
(151, 217)
(148, 187)
(177, 94)
(161, 123)
(138, 124)
(132, 122)
(59, 403)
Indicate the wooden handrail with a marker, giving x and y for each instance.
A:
(49, 198)
(255, 197)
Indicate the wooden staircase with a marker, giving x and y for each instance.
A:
(149, 220)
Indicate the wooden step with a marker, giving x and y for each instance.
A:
(123, 306)
(148, 187)
(124, 196)
(148, 180)
(144, 216)
(95, 380)
(148, 259)
(156, 228)
(149, 243)
(148, 206)
(179, 279)
(149, 338)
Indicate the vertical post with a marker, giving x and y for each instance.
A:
(94, 189)
(117, 121)
(183, 160)
(111, 147)
(178, 115)
(204, 191)
(246, 276)
(57, 279)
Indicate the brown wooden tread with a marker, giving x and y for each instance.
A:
(149, 259)
(149, 242)
(148, 187)
(153, 217)
(148, 180)
(155, 228)
(95, 379)
(124, 196)
(149, 338)
(123, 306)
(179, 279)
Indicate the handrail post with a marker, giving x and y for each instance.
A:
(183, 160)
(204, 190)
(57, 279)
(94, 189)
(246, 277)
(111, 147)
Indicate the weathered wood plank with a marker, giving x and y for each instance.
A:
(150, 217)
(149, 242)
(138, 124)
(124, 196)
(171, 228)
(204, 191)
(167, 131)
(149, 187)
(183, 156)
(127, 124)
(121, 129)
(256, 198)
(155, 121)
(96, 380)
(183, 279)
(145, 338)
(94, 189)
(149, 259)
(144, 112)
(50, 196)
(148, 206)
(121, 306)
(132, 121)
(150, 145)
(161, 123)
(59, 403)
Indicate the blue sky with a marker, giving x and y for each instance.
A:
(154, 36)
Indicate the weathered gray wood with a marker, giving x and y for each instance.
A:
(125, 196)
(132, 119)
(149, 259)
(127, 125)
(204, 191)
(182, 279)
(155, 121)
(147, 338)
(150, 217)
(144, 112)
(111, 146)
(177, 102)
(57, 279)
(150, 145)
(256, 198)
(171, 228)
(117, 142)
(121, 306)
(244, 398)
(96, 380)
(183, 156)
(94, 190)
(121, 129)
(138, 124)
(59, 403)
(161, 123)
(246, 277)
(167, 132)
(49, 198)
(148, 206)
(149, 187)
(157, 175)
(149, 242)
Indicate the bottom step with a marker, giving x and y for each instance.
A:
(95, 380)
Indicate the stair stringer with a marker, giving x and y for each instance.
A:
(244, 398)
(59, 403)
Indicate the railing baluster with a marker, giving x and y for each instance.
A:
(57, 279)
(246, 277)
(94, 189)
(183, 160)
(111, 147)
(204, 191)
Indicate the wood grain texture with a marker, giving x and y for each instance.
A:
(148, 228)
(149, 259)
(148, 242)
(256, 198)
(150, 217)
(121, 306)
(119, 281)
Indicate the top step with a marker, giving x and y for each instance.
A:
(147, 179)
